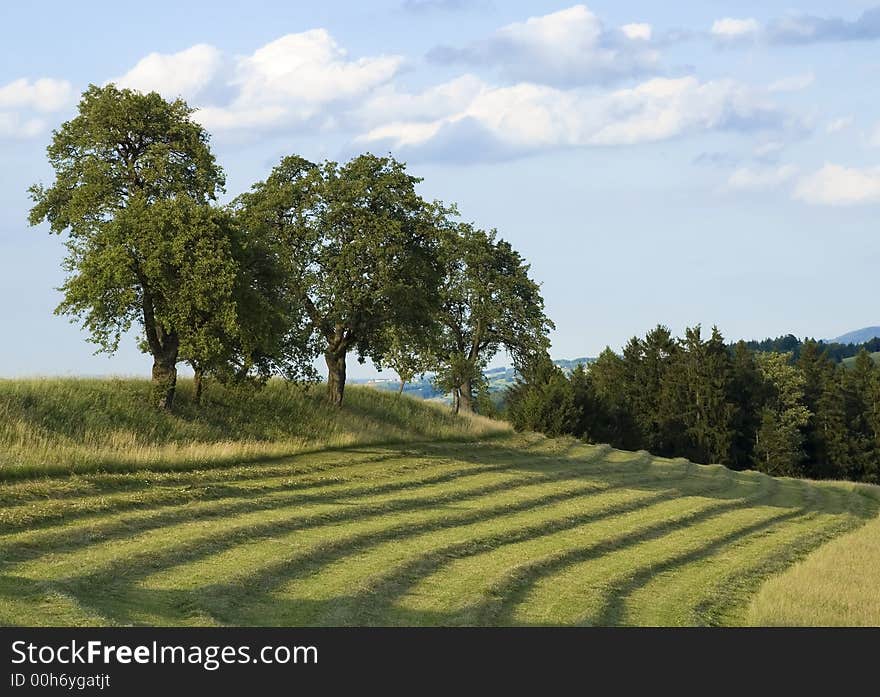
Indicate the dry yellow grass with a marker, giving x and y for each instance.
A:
(837, 585)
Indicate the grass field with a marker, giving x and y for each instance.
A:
(849, 361)
(450, 521)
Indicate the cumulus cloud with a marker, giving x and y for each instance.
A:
(835, 185)
(564, 48)
(24, 102)
(794, 83)
(42, 95)
(525, 117)
(730, 29)
(185, 73)
(282, 84)
(762, 179)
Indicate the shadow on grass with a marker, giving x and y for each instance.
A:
(116, 592)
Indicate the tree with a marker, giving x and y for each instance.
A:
(858, 385)
(268, 337)
(708, 411)
(779, 447)
(360, 250)
(487, 302)
(747, 392)
(542, 399)
(610, 392)
(826, 431)
(133, 179)
(647, 365)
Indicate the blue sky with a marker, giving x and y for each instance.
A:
(683, 163)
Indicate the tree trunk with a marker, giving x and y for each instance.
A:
(335, 377)
(400, 389)
(467, 397)
(198, 386)
(164, 379)
(455, 401)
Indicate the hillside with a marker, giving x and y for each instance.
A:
(60, 426)
(851, 360)
(859, 336)
(397, 514)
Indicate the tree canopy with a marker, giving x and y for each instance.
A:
(359, 247)
(134, 177)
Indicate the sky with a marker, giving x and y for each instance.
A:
(676, 163)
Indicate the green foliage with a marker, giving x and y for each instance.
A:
(701, 399)
(488, 302)
(133, 179)
(543, 400)
(359, 250)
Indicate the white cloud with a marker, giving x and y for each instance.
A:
(638, 30)
(794, 83)
(292, 79)
(874, 138)
(840, 124)
(22, 103)
(526, 117)
(310, 67)
(43, 95)
(283, 83)
(834, 185)
(14, 126)
(730, 29)
(564, 48)
(184, 73)
(748, 179)
(433, 103)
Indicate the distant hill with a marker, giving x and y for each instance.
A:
(859, 336)
(498, 379)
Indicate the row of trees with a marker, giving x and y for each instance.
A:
(793, 345)
(317, 260)
(699, 398)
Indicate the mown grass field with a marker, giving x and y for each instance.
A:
(430, 520)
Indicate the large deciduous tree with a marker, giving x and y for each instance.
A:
(488, 303)
(134, 177)
(359, 246)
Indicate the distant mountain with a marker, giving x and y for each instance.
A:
(859, 336)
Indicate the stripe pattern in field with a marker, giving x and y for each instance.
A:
(514, 530)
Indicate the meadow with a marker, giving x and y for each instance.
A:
(275, 509)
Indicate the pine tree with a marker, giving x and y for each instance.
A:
(746, 391)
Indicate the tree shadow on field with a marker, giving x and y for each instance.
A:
(255, 597)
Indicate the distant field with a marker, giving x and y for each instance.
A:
(875, 356)
(507, 529)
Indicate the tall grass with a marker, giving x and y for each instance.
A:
(837, 585)
(63, 426)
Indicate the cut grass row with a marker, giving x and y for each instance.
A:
(513, 530)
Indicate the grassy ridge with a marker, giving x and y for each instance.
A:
(277, 510)
(62, 426)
